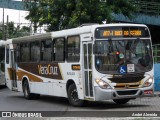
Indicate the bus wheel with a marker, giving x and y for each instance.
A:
(73, 96)
(26, 90)
(121, 101)
(27, 93)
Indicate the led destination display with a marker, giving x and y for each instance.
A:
(107, 32)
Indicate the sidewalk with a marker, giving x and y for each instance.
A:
(157, 93)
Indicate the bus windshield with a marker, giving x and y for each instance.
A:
(135, 55)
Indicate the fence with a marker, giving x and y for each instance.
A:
(147, 7)
(156, 53)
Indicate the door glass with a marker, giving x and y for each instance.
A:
(90, 55)
(87, 69)
(85, 56)
(7, 56)
(90, 83)
(86, 82)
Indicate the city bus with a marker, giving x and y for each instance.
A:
(2, 78)
(96, 62)
(2, 51)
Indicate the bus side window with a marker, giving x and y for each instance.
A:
(73, 49)
(46, 50)
(7, 55)
(59, 48)
(18, 53)
(35, 51)
(25, 52)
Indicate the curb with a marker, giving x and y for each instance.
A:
(157, 94)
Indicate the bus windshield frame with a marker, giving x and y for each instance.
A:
(111, 55)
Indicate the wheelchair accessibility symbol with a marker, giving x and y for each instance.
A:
(123, 69)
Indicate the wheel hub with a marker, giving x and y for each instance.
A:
(74, 95)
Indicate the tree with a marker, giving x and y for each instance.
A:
(14, 31)
(62, 14)
(17, 31)
(0, 35)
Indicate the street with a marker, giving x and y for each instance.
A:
(14, 101)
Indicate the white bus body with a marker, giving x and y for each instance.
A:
(2, 78)
(81, 63)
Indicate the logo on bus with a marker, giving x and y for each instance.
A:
(48, 70)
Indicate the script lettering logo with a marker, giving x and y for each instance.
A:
(48, 70)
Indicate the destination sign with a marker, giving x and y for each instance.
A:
(106, 32)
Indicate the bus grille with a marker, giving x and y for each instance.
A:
(126, 79)
(127, 86)
(128, 92)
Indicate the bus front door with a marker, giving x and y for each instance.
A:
(13, 70)
(87, 69)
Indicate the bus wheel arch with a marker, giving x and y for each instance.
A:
(69, 82)
(72, 94)
(26, 90)
(23, 80)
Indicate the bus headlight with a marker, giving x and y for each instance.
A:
(148, 83)
(102, 84)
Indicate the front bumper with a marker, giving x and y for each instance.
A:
(107, 94)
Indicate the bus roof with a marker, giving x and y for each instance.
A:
(69, 32)
(2, 43)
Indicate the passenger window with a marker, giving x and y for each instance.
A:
(35, 52)
(46, 50)
(59, 47)
(25, 52)
(7, 55)
(73, 49)
(18, 53)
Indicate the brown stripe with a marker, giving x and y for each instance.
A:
(31, 77)
(10, 73)
(47, 70)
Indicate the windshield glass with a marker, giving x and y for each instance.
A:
(123, 56)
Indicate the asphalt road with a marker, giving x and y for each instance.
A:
(14, 101)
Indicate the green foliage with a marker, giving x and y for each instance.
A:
(15, 31)
(0, 34)
(63, 14)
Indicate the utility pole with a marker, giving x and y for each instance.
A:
(3, 32)
(7, 34)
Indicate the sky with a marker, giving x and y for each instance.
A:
(16, 16)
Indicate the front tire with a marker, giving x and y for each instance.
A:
(121, 101)
(27, 93)
(73, 96)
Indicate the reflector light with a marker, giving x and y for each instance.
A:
(148, 92)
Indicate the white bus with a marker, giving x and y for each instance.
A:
(94, 62)
(2, 78)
